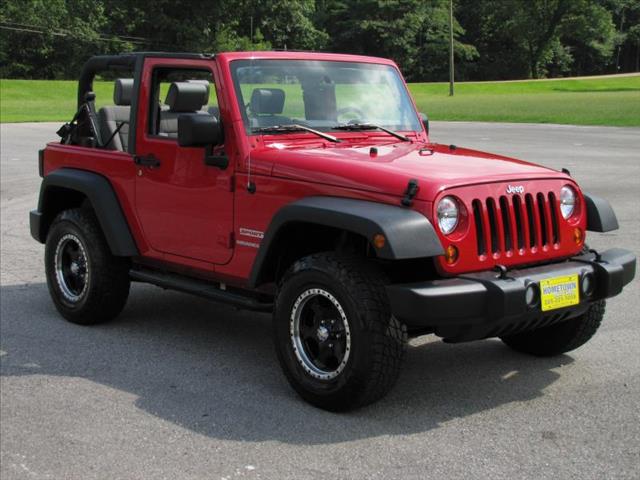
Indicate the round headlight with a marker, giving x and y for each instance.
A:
(568, 199)
(447, 212)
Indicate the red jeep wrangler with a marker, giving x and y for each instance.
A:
(305, 184)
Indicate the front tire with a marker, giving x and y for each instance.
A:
(336, 340)
(561, 337)
(87, 283)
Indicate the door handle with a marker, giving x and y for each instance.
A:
(146, 161)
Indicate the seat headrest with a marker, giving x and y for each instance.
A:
(123, 91)
(268, 101)
(206, 84)
(186, 97)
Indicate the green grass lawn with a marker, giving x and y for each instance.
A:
(43, 100)
(590, 101)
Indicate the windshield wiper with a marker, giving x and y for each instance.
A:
(370, 126)
(294, 128)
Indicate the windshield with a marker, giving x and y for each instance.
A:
(321, 95)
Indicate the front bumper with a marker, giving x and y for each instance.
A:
(487, 304)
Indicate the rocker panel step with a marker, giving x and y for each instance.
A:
(197, 287)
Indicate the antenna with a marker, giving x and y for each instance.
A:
(251, 187)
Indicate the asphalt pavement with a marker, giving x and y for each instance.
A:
(180, 388)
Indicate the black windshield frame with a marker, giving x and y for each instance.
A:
(406, 102)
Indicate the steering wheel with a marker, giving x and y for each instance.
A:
(352, 114)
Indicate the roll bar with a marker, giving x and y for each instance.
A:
(100, 63)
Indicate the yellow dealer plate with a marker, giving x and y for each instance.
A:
(559, 292)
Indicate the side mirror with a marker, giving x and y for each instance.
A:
(199, 130)
(425, 121)
(202, 130)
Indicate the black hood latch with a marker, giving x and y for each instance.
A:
(410, 192)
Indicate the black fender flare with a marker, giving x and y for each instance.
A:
(408, 233)
(600, 214)
(103, 199)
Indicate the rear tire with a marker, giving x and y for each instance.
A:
(336, 340)
(561, 337)
(87, 283)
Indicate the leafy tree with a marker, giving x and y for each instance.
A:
(518, 38)
(520, 35)
(168, 25)
(626, 18)
(538, 22)
(286, 24)
(433, 61)
(387, 28)
(51, 39)
(590, 36)
(493, 39)
(414, 33)
(488, 26)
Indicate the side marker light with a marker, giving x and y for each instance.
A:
(451, 254)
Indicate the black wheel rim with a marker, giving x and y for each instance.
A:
(320, 334)
(71, 268)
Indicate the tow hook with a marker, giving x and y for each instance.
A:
(502, 272)
(597, 254)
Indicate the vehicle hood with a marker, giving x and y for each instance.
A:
(436, 167)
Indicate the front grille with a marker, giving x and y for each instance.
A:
(515, 223)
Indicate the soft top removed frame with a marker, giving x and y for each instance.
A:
(126, 61)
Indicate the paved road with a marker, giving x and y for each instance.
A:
(179, 388)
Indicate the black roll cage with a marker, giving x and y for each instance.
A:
(126, 61)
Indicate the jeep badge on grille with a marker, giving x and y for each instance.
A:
(515, 189)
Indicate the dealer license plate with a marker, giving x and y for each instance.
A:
(559, 292)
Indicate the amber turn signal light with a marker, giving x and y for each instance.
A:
(578, 236)
(379, 241)
(451, 254)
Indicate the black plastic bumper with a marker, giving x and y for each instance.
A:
(484, 304)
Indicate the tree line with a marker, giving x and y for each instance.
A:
(493, 39)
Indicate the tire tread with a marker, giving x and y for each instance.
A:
(365, 283)
(109, 287)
